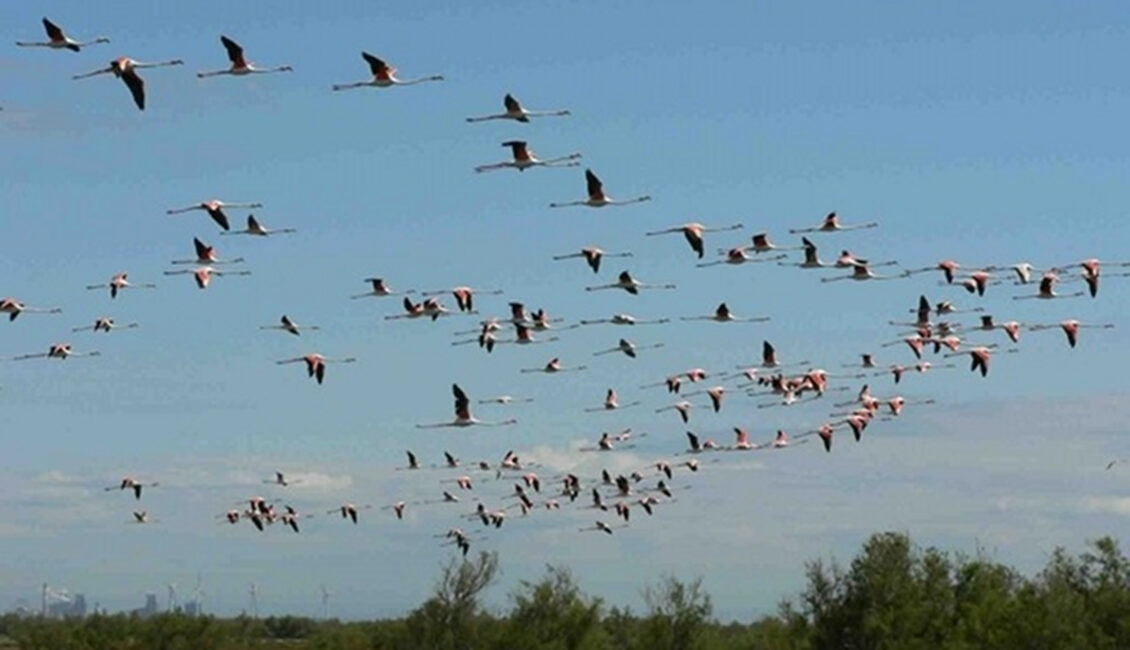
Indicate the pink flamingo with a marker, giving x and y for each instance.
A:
(811, 257)
(125, 68)
(736, 256)
(464, 296)
(611, 403)
(831, 223)
(240, 66)
(57, 40)
(553, 366)
(625, 319)
(255, 228)
(316, 364)
(861, 271)
(592, 255)
(515, 111)
(13, 308)
(1047, 289)
(203, 275)
(596, 196)
(380, 289)
(722, 314)
(693, 233)
(206, 255)
(288, 325)
(626, 282)
(525, 158)
(118, 283)
(129, 483)
(1071, 329)
(384, 76)
(628, 348)
(463, 417)
(215, 210)
(104, 324)
(57, 351)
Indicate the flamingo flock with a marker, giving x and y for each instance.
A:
(734, 392)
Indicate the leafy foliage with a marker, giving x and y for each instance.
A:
(892, 595)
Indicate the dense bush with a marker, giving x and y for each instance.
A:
(892, 595)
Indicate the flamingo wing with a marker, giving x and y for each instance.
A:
(595, 187)
(235, 52)
(511, 104)
(136, 87)
(378, 67)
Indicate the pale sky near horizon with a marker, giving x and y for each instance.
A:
(991, 135)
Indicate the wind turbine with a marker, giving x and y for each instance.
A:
(325, 602)
(198, 594)
(254, 600)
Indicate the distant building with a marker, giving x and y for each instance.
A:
(150, 608)
(75, 607)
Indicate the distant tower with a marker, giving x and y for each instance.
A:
(43, 603)
(254, 600)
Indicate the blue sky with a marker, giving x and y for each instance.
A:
(982, 133)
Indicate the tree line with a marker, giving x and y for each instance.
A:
(893, 595)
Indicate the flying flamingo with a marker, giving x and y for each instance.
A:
(696, 447)
(978, 281)
(206, 255)
(861, 271)
(142, 518)
(592, 256)
(1047, 289)
(915, 343)
(626, 282)
(380, 289)
(1092, 270)
(126, 69)
(722, 315)
(525, 158)
(601, 526)
(430, 308)
(1071, 329)
(738, 255)
(980, 357)
(761, 244)
(682, 406)
(811, 257)
(693, 233)
(384, 76)
(949, 269)
(59, 40)
(847, 260)
(628, 348)
(832, 224)
(13, 308)
(215, 209)
(104, 324)
(348, 511)
(897, 403)
(597, 198)
(506, 399)
(287, 325)
(515, 111)
(203, 275)
(255, 228)
(280, 479)
(611, 403)
(316, 364)
(464, 296)
(57, 351)
(118, 283)
(129, 483)
(525, 338)
(552, 367)
(625, 319)
(463, 417)
(769, 357)
(239, 65)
